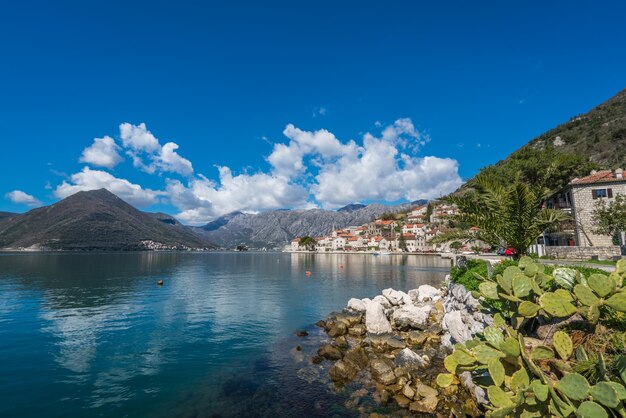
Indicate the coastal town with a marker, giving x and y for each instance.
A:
(413, 231)
(409, 232)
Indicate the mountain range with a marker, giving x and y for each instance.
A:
(275, 228)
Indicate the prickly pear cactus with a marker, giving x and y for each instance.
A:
(524, 379)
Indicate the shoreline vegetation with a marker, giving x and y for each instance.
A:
(512, 338)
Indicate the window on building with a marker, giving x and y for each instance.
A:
(599, 193)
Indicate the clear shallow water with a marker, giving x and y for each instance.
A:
(93, 335)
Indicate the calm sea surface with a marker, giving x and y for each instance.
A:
(85, 335)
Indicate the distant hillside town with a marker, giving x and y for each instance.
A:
(405, 232)
(413, 231)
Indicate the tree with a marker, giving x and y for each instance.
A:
(388, 216)
(476, 249)
(509, 214)
(308, 243)
(610, 219)
(402, 243)
(429, 211)
(456, 245)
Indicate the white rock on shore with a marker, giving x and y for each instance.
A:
(426, 292)
(357, 305)
(411, 316)
(376, 321)
(463, 318)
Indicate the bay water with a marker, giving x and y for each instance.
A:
(92, 334)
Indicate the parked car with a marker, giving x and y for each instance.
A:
(508, 252)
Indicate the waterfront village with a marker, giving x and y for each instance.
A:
(410, 232)
(413, 231)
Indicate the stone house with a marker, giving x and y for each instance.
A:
(585, 194)
(580, 198)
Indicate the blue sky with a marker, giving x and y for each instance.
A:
(371, 101)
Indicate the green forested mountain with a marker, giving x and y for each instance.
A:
(596, 139)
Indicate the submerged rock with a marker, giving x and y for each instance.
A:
(329, 352)
(375, 319)
(337, 330)
(346, 369)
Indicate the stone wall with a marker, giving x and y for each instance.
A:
(583, 253)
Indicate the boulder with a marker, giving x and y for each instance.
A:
(338, 329)
(356, 305)
(375, 320)
(425, 406)
(383, 342)
(343, 372)
(410, 359)
(403, 401)
(357, 331)
(408, 391)
(478, 393)
(428, 293)
(349, 318)
(358, 357)
(396, 297)
(411, 317)
(329, 352)
(383, 301)
(382, 372)
(459, 331)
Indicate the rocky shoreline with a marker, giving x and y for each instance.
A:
(394, 346)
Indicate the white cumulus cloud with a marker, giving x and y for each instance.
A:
(380, 171)
(138, 137)
(103, 153)
(20, 197)
(89, 179)
(141, 143)
(203, 200)
(311, 169)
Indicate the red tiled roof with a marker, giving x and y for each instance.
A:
(353, 239)
(602, 176)
(409, 236)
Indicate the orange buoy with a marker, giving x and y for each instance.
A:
(160, 283)
(340, 266)
(308, 273)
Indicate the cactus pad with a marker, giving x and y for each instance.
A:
(556, 305)
(601, 284)
(562, 344)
